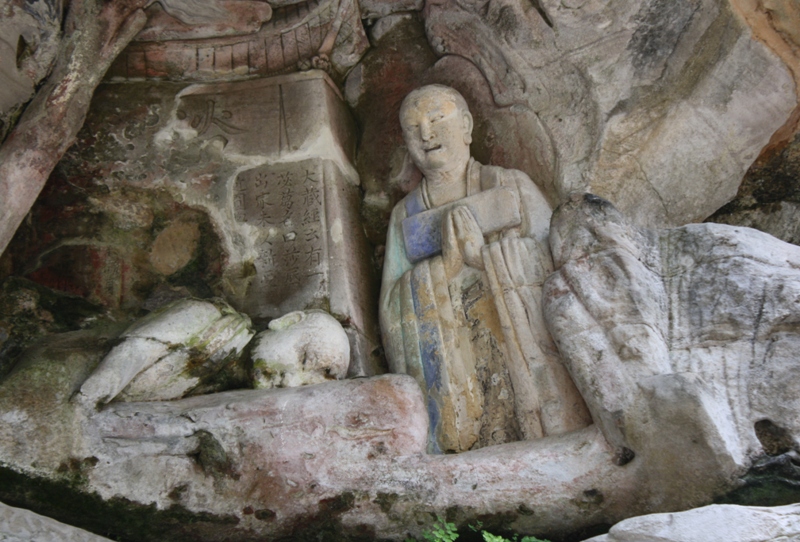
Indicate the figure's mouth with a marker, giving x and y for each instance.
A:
(433, 148)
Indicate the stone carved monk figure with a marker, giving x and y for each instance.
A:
(460, 309)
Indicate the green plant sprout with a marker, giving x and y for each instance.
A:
(442, 531)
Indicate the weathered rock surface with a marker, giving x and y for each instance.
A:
(682, 341)
(375, 9)
(300, 348)
(30, 33)
(113, 246)
(29, 311)
(238, 190)
(717, 522)
(20, 525)
(659, 106)
(769, 196)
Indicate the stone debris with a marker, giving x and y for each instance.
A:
(723, 522)
(20, 525)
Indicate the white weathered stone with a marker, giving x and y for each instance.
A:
(300, 348)
(20, 525)
(120, 366)
(680, 341)
(176, 323)
(168, 353)
(726, 522)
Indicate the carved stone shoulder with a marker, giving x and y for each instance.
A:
(494, 176)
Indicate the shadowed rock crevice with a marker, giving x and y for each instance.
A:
(771, 481)
(117, 517)
(212, 458)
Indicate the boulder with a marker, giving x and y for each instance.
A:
(716, 522)
(682, 341)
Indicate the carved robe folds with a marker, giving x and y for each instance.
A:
(477, 344)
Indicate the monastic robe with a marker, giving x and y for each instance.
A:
(435, 328)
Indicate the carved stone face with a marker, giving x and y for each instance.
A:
(437, 132)
(300, 348)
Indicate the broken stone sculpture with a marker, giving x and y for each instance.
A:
(237, 39)
(187, 347)
(726, 522)
(300, 348)
(460, 307)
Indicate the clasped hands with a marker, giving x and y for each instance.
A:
(462, 240)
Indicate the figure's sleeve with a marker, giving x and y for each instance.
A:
(535, 209)
(395, 265)
(546, 400)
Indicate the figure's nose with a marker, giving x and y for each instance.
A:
(425, 130)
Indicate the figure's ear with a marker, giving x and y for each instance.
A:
(467, 122)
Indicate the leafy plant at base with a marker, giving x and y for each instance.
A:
(443, 531)
(489, 537)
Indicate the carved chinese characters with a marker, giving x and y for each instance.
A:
(286, 204)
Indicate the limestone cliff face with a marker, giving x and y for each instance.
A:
(768, 196)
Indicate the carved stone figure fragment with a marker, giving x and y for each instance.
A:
(300, 348)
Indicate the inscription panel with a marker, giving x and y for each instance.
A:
(286, 203)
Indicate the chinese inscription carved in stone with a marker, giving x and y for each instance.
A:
(287, 204)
